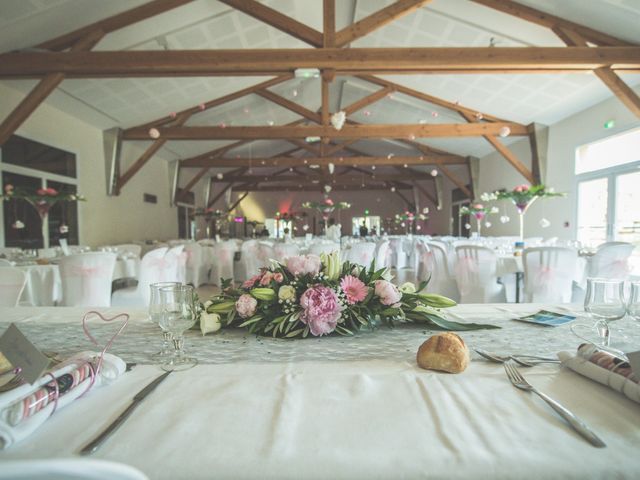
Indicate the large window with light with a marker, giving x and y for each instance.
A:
(608, 187)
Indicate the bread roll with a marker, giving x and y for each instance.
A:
(445, 351)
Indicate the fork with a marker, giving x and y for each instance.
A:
(578, 425)
(523, 360)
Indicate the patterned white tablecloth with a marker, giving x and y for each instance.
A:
(340, 408)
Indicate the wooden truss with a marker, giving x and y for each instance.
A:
(70, 56)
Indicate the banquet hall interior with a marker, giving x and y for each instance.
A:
(323, 191)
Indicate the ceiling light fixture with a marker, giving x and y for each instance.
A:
(306, 73)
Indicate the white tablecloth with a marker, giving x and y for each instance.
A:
(342, 408)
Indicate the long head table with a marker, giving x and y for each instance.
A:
(342, 408)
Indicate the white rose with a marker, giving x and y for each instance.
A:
(407, 287)
(209, 322)
(287, 292)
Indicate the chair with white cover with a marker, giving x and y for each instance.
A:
(549, 274)
(383, 254)
(266, 253)
(12, 283)
(249, 257)
(223, 260)
(433, 265)
(152, 269)
(197, 271)
(86, 279)
(611, 261)
(5, 263)
(68, 469)
(282, 251)
(476, 275)
(174, 269)
(399, 257)
(318, 248)
(361, 253)
(129, 249)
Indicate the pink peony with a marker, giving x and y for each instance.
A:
(246, 305)
(41, 191)
(303, 264)
(478, 206)
(266, 279)
(278, 277)
(252, 281)
(355, 290)
(321, 310)
(328, 201)
(51, 191)
(388, 292)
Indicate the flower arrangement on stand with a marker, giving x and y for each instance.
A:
(523, 197)
(311, 295)
(42, 200)
(408, 219)
(326, 207)
(479, 211)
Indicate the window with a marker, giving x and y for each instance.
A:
(372, 224)
(608, 181)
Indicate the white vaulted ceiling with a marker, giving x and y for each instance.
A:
(209, 24)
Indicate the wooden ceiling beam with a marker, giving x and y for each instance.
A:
(426, 193)
(111, 24)
(376, 20)
(216, 102)
(324, 179)
(348, 131)
(550, 21)
(335, 148)
(328, 23)
(368, 100)
(304, 146)
(456, 181)
(162, 63)
(219, 195)
(284, 161)
(289, 105)
(277, 20)
(42, 90)
(306, 187)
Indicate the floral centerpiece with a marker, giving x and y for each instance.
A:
(407, 219)
(523, 197)
(326, 207)
(479, 211)
(42, 200)
(320, 296)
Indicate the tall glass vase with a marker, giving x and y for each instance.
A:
(479, 216)
(522, 208)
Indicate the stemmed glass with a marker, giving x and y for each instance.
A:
(178, 315)
(155, 314)
(633, 305)
(604, 301)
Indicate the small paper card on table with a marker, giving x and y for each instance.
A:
(550, 319)
(23, 354)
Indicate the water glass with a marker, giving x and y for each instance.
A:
(604, 301)
(179, 313)
(633, 305)
(155, 313)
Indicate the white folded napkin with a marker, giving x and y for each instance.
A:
(112, 368)
(601, 375)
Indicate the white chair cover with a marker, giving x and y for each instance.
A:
(549, 273)
(283, 251)
(611, 260)
(86, 279)
(197, 271)
(399, 256)
(476, 275)
(151, 271)
(174, 269)
(12, 282)
(8, 251)
(5, 263)
(361, 253)
(266, 253)
(129, 249)
(68, 469)
(433, 265)
(384, 254)
(250, 252)
(323, 247)
(223, 255)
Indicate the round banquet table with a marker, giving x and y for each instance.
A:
(338, 407)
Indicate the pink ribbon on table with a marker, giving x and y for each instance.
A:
(96, 370)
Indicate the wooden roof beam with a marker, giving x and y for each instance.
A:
(163, 63)
(328, 23)
(376, 20)
(289, 105)
(328, 179)
(456, 181)
(306, 187)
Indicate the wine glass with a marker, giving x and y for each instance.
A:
(155, 313)
(604, 301)
(633, 305)
(178, 315)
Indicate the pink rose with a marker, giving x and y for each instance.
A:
(303, 264)
(252, 281)
(246, 305)
(266, 279)
(278, 277)
(478, 206)
(51, 191)
(388, 292)
(41, 191)
(321, 310)
(328, 201)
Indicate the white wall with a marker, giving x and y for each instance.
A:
(564, 137)
(103, 219)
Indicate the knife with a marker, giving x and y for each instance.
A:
(95, 444)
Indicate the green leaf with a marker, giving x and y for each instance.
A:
(294, 333)
(250, 321)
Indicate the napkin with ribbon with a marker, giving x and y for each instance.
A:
(604, 368)
(25, 408)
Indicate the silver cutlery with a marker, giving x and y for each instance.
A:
(522, 360)
(578, 425)
(95, 444)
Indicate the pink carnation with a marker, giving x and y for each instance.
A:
(266, 279)
(252, 281)
(355, 290)
(388, 292)
(321, 310)
(246, 305)
(302, 264)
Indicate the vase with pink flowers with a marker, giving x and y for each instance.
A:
(326, 207)
(523, 197)
(478, 211)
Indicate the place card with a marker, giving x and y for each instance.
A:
(547, 318)
(634, 361)
(22, 353)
